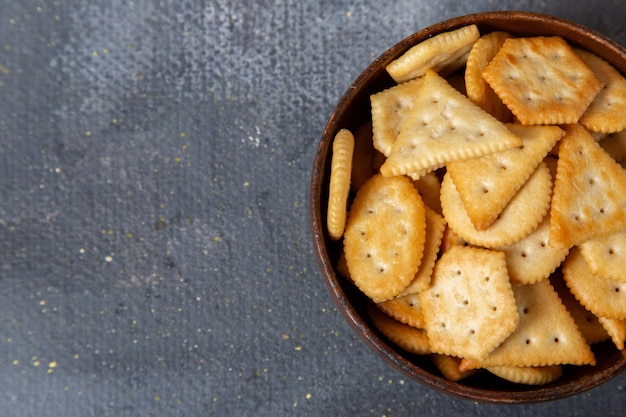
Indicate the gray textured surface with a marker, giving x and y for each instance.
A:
(155, 256)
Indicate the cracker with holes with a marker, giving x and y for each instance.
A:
(546, 334)
(390, 109)
(406, 309)
(435, 225)
(602, 296)
(542, 80)
(339, 184)
(444, 53)
(444, 126)
(486, 184)
(606, 112)
(528, 375)
(519, 218)
(606, 256)
(469, 308)
(477, 89)
(616, 328)
(532, 259)
(407, 337)
(384, 236)
(589, 198)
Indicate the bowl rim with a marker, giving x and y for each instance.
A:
(575, 33)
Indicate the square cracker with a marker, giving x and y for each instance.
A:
(486, 184)
(443, 52)
(606, 112)
(469, 308)
(589, 197)
(542, 80)
(546, 334)
(444, 126)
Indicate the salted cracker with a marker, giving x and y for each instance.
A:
(602, 296)
(444, 126)
(606, 256)
(616, 328)
(384, 236)
(409, 338)
(445, 52)
(528, 375)
(519, 218)
(449, 367)
(606, 112)
(615, 145)
(406, 309)
(487, 183)
(546, 334)
(589, 191)
(477, 89)
(339, 184)
(469, 308)
(542, 80)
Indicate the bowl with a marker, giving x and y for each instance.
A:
(352, 111)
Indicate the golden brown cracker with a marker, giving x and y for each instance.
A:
(606, 256)
(528, 375)
(449, 367)
(409, 338)
(615, 145)
(616, 328)
(444, 126)
(589, 191)
(339, 184)
(445, 52)
(469, 308)
(384, 236)
(406, 309)
(429, 187)
(542, 80)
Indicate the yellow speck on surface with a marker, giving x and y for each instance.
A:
(183, 134)
(298, 348)
(308, 396)
(16, 362)
(57, 170)
(129, 235)
(42, 303)
(285, 337)
(157, 398)
(108, 258)
(177, 159)
(184, 147)
(217, 239)
(52, 364)
(105, 51)
(4, 69)
(95, 53)
(246, 184)
(36, 363)
(88, 133)
(76, 356)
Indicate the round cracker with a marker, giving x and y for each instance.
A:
(339, 185)
(409, 338)
(539, 375)
(384, 236)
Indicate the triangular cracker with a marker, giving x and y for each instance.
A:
(406, 309)
(589, 191)
(615, 145)
(486, 184)
(546, 334)
(542, 80)
(469, 308)
(606, 256)
(606, 112)
(444, 126)
(602, 296)
(445, 52)
(616, 329)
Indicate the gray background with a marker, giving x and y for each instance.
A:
(155, 255)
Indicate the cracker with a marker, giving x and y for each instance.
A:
(469, 308)
(339, 184)
(546, 334)
(450, 239)
(486, 184)
(477, 89)
(615, 145)
(528, 375)
(532, 259)
(435, 225)
(542, 80)
(602, 296)
(588, 323)
(390, 109)
(616, 329)
(429, 187)
(409, 338)
(589, 191)
(449, 367)
(444, 126)
(606, 112)
(606, 256)
(384, 236)
(445, 52)
(406, 309)
(518, 219)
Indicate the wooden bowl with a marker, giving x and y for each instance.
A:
(351, 112)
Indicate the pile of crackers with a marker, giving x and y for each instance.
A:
(483, 208)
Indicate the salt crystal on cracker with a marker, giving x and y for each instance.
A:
(602, 296)
(443, 52)
(384, 236)
(469, 308)
(542, 80)
(589, 191)
(486, 184)
(519, 218)
(444, 126)
(606, 112)
(546, 334)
